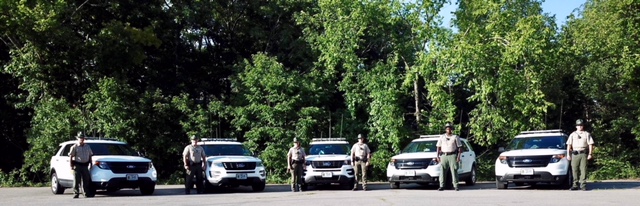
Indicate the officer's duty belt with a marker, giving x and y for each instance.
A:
(575, 152)
(449, 153)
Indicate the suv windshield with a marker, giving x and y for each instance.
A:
(112, 149)
(323, 149)
(420, 146)
(223, 150)
(548, 142)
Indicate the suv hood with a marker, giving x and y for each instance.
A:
(533, 152)
(119, 158)
(330, 157)
(233, 159)
(415, 155)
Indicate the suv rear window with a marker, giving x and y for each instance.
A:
(548, 142)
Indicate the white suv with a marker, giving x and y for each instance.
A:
(417, 163)
(230, 164)
(328, 161)
(534, 157)
(115, 165)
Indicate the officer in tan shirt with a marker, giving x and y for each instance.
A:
(449, 151)
(360, 156)
(194, 163)
(295, 161)
(579, 150)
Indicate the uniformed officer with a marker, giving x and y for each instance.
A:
(360, 156)
(194, 163)
(449, 151)
(80, 158)
(579, 150)
(295, 161)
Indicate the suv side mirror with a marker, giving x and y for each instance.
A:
(501, 149)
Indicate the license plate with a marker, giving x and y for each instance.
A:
(327, 174)
(241, 176)
(528, 171)
(410, 173)
(132, 177)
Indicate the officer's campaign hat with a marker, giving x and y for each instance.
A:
(579, 122)
(448, 125)
(295, 139)
(193, 137)
(360, 136)
(80, 135)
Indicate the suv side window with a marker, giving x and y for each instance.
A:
(65, 151)
(465, 147)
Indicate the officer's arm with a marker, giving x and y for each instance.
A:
(289, 158)
(368, 153)
(72, 154)
(304, 155)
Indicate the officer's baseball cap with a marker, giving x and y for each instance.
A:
(448, 125)
(579, 122)
(193, 137)
(80, 135)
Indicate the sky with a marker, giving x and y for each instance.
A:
(560, 8)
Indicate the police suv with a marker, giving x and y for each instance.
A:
(230, 164)
(329, 161)
(115, 165)
(534, 157)
(417, 163)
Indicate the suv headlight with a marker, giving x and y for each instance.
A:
(503, 159)
(102, 165)
(217, 164)
(556, 158)
(434, 161)
(346, 162)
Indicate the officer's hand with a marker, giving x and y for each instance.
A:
(186, 167)
(458, 160)
(438, 159)
(289, 168)
(367, 164)
(569, 157)
(589, 157)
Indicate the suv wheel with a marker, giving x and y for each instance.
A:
(473, 178)
(257, 187)
(501, 185)
(394, 185)
(568, 182)
(147, 189)
(56, 188)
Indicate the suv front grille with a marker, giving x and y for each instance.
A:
(239, 165)
(327, 164)
(412, 163)
(129, 167)
(529, 161)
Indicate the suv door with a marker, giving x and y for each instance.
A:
(61, 163)
(467, 158)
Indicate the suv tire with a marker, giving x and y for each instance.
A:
(473, 177)
(394, 185)
(258, 187)
(56, 188)
(501, 185)
(147, 189)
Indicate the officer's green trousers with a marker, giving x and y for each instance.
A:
(579, 163)
(296, 176)
(448, 162)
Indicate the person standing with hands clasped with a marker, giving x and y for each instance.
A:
(194, 163)
(579, 150)
(360, 156)
(80, 158)
(295, 161)
(449, 151)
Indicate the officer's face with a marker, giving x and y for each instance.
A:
(448, 130)
(194, 141)
(580, 127)
(297, 144)
(81, 141)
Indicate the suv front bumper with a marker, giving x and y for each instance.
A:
(539, 176)
(428, 175)
(221, 177)
(124, 183)
(343, 175)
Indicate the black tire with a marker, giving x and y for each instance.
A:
(56, 188)
(473, 178)
(147, 189)
(258, 187)
(568, 182)
(348, 185)
(304, 187)
(394, 185)
(501, 185)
